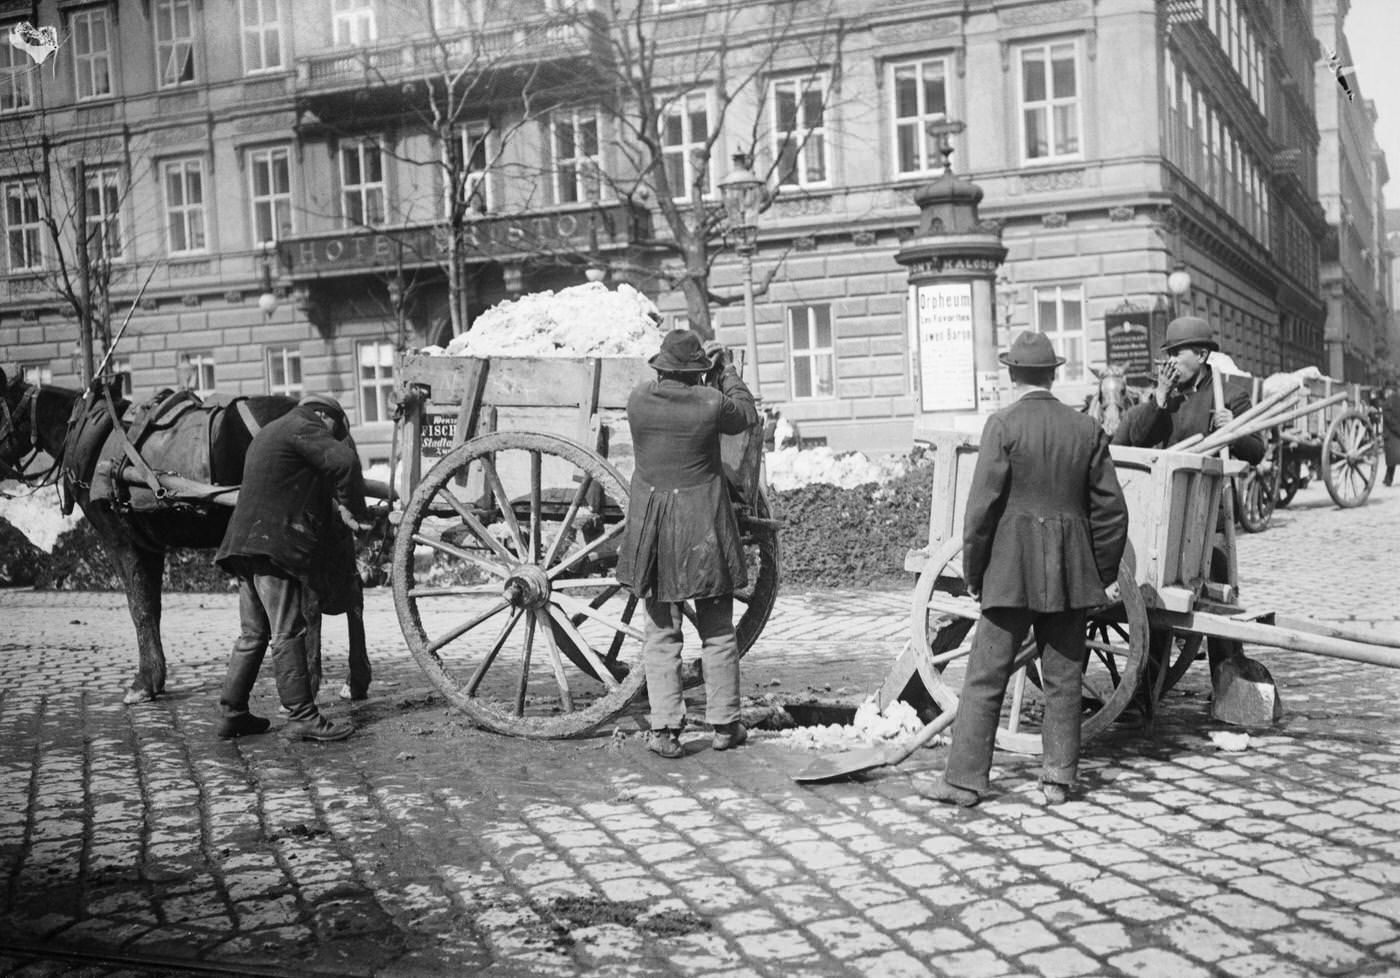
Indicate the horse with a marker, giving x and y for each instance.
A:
(1112, 399)
(36, 420)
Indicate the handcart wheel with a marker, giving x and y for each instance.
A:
(1257, 492)
(1350, 458)
(1290, 475)
(941, 617)
(504, 583)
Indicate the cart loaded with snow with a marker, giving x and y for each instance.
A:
(513, 468)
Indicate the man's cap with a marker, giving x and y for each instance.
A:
(314, 401)
(1031, 349)
(1189, 331)
(682, 351)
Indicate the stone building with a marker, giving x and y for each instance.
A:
(1352, 173)
(271, 165)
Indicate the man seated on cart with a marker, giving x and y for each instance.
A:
(1181, 405)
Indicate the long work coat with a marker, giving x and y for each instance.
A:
(1148, 425)
(682, 540)
(1046, 523)
(1390, 413)
(296, 470)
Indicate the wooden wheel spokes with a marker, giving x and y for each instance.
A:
(1350, 459)
(496, 646)
(452, 634)
(568, 521)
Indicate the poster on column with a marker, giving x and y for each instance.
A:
(947, 375)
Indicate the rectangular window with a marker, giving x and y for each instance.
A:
(376, 381)
(196, 373)
(104, 215)
(284, 371)
(475, 159)
(453, 15)
(362, 184)
(685, 129)
(35, 374)
(270, 191)
(92, 53)
(174, 41)
(811, 351)
(1050, 101)
(799, 131)
(577, 163)
(184, 206)
(920, 94)
(24, 227)
(262, 35)
(352, 22)
(1059, 314)
(16, 75)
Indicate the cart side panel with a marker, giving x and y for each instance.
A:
(954, 459)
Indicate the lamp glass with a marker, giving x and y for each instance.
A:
(1178, 282)
(740, 191)
(267, 303)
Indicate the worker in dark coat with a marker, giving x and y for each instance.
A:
(1390, 420)
(682, 539)
(299, 482)
(1045, 529)
(1181, 405)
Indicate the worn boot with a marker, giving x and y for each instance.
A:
(294, 689)
(730, 735)
(243, 666)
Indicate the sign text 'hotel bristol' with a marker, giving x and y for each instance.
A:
(489, 238)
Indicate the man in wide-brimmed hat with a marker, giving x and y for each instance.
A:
(1045, 529)
(682, 539)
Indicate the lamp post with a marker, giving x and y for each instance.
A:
(395, 289)
(1178, 284)
(267, 302)
(742, 193)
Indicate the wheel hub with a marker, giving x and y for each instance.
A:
(527, 587)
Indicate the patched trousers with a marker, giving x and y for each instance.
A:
(719, 655)
(1000, 635)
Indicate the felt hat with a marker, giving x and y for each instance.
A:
(1031, 349)
(314, 401)
(1189, 331)
(681, 352)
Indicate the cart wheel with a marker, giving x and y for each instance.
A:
(1257, 493)
(941, 617)
(1290, 476)
(1350, 459)
(761, 554)
(1174, 653)
(504, 585)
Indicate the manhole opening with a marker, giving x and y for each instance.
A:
(820, 714)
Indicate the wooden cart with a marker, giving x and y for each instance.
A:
(1140, 645)
(1338, 439)
(505, 547)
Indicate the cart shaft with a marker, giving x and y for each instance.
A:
(1293, 634)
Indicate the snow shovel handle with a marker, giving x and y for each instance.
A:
(931, 729)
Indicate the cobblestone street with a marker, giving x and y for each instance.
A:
(133, 842)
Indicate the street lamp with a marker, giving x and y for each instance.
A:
(742, 193)
(1178, 284)
(267, 302)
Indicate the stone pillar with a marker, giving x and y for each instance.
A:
(952, 261)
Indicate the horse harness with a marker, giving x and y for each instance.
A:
(28, 403)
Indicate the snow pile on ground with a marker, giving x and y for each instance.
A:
(793, 468)
(868, 728)
(35, 513)
(587, 320)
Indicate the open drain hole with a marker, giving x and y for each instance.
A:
(809, 715)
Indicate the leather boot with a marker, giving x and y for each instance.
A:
(243, 665)
(294, 689)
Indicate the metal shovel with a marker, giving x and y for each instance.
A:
(864, 759)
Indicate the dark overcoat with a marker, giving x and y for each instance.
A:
(295, 472)
(1046, 523)
(1390, 415)
(682, 539)
(1149, 425)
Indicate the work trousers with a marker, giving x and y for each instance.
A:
(270, 614)
(719, 654)
(1059, 636)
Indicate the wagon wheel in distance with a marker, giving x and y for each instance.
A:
(1350, 458)
(505, 588)
(1290, 473)
(1257, 492)
(941, 616)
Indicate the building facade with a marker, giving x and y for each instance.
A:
(1352, 173)
(382, 171)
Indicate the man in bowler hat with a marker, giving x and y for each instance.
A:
(682, 539)
(1045, 528)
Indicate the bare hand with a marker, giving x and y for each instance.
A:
(1221, 417)
(1113, 592)
(718, 352)
(348, 518)
(1167, 376)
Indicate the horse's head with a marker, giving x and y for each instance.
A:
(1113, 385)
(33, 420)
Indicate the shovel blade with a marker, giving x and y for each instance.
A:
(847, 763)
